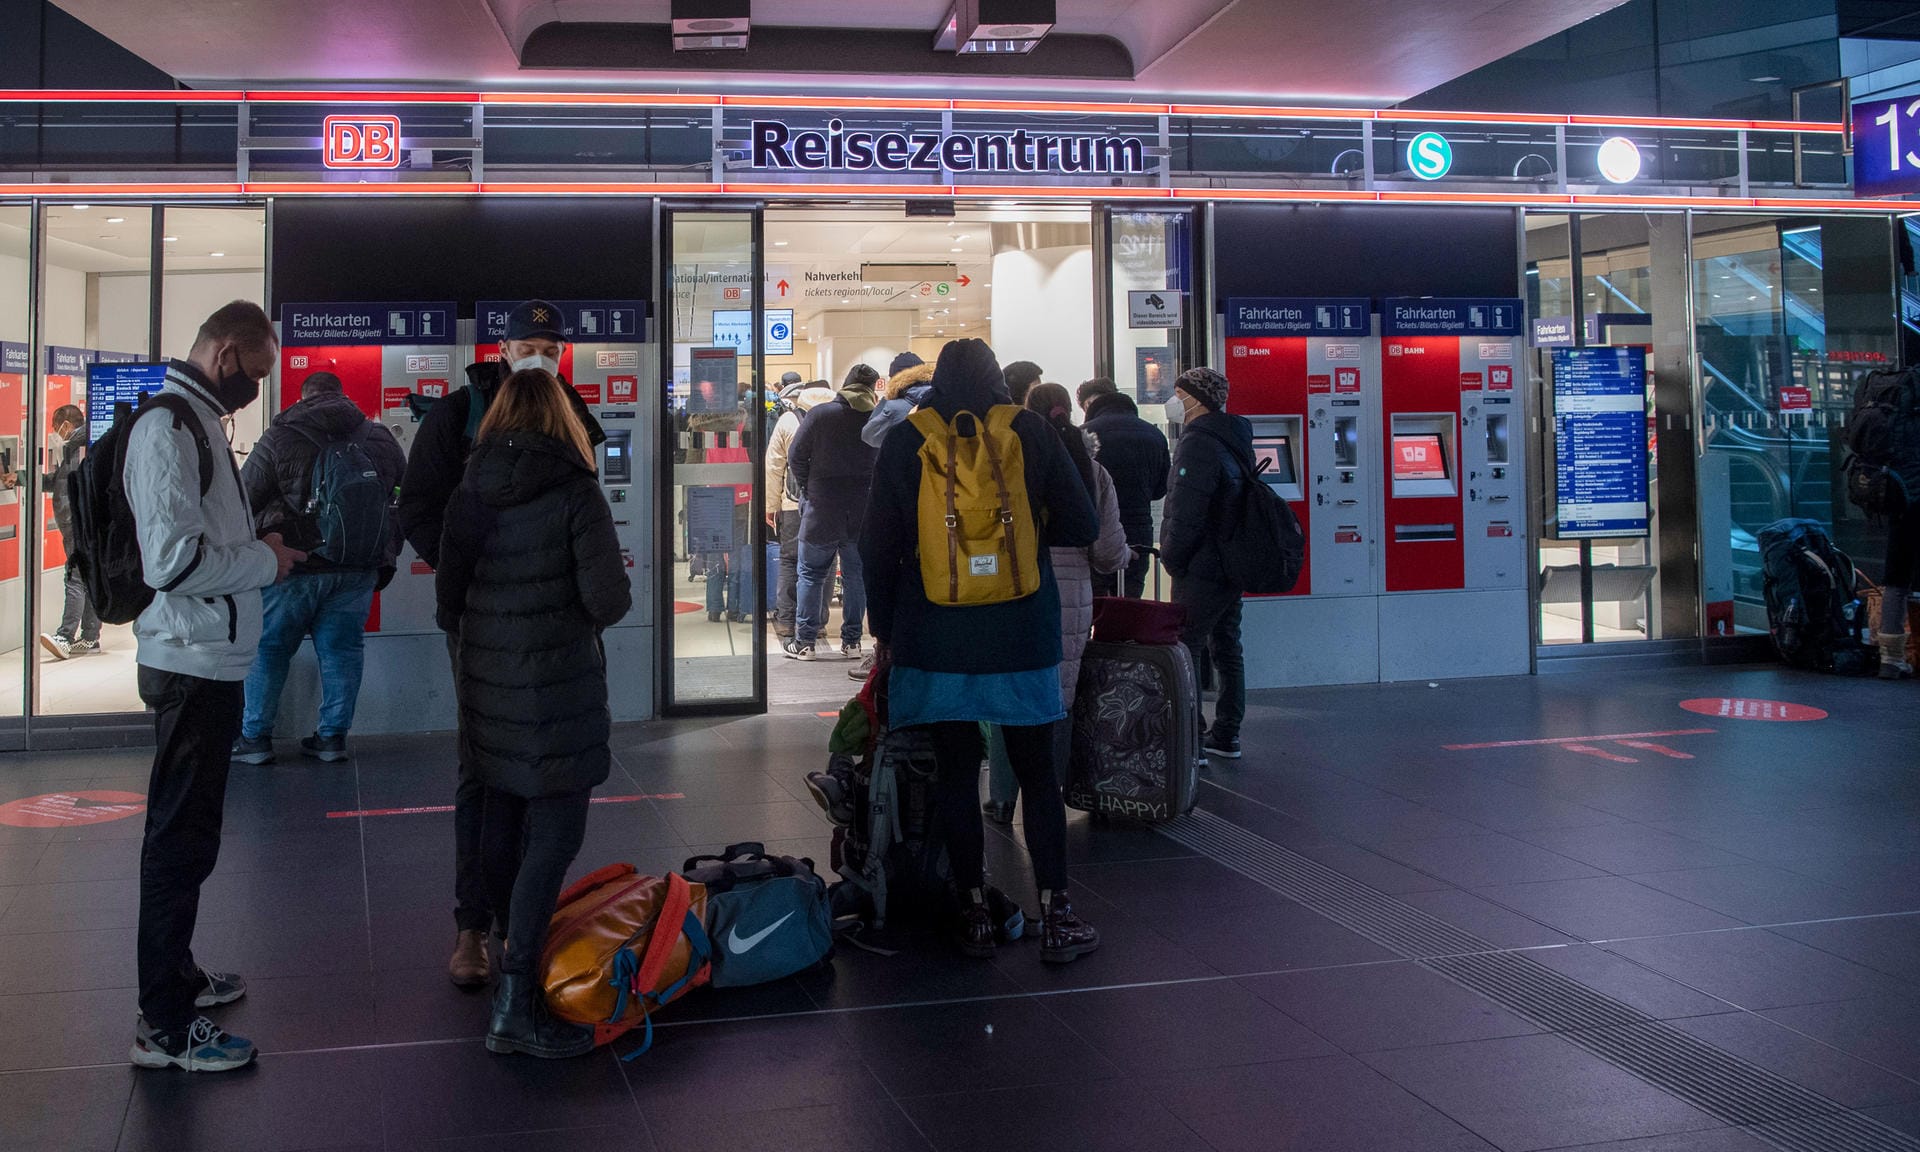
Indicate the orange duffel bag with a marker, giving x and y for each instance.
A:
(620, 946)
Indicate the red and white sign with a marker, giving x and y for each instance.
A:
(392, 397)
(1346, 535)
(68, 809)
(1470, 381)
(730, 293)
(1500, 377)
(1796, 399)
(589, 390)
(1741, 708)
(361, 141)
(622, 389)
(433, 388)
(1500, 529)
(1315, 384)
(1346, 380)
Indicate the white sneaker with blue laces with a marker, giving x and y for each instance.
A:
(201, 1046)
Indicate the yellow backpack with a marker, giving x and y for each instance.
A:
(978, 544)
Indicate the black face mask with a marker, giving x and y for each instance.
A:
(236, 389)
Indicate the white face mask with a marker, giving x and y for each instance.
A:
(1176, 409)
(546, 363)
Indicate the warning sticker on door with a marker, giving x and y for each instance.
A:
(68, 809)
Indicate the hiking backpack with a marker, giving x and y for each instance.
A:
(978, 542)
(106, 543)
(1882, 402)
(349, 505)
(1260, 539)
(1816, 619)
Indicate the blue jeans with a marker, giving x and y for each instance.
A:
(814, 591)
(332, 608)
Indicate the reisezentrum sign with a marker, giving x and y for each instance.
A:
(776, 146)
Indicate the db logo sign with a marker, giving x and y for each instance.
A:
(1239, 349)
(361, 141)
(730, 293)
(296, 361)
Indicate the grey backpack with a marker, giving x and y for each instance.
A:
(766, 915)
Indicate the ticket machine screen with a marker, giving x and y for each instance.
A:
(1419, 457)
(1273, 457)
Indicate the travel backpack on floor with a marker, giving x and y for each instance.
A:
(767, 916)
(892, 853)
(1814, 613)
(978, 543)
(1260, 538)
(349, 505)
(106, 545)
(621, 946)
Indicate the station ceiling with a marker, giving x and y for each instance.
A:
(1360, 52)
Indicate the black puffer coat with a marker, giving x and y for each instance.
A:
(530, 572)
(279, 471)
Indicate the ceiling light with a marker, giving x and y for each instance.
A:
(710, 25)
(955, 249)
(994, 27)
(81, 207)
(779, 243)
(116, 219)
(216, 253)
(1764, 79)
(1753, 297)
(844, 300)
(170, 239)
(1619, 160)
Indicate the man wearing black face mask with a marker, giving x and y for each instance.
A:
(197, 641)
(535, 338)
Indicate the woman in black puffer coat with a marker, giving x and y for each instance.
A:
(530, 572)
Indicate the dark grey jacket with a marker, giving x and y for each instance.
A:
(834, 469)
(279, 471)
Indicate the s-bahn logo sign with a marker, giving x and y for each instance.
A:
(777, 147)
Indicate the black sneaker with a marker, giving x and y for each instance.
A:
(974, 931)
(1226, 749)
(253, 750)
(326, 749)
(998, 811)
(217, 988)
(1064, 937)
(201, 1046)
(798, 651)
(829, 790)
(57, 646)
(83, 647)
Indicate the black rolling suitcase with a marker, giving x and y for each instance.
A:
(1136, 718)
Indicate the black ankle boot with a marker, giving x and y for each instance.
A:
(521, 1023)
(974, 930)
(1064, 937)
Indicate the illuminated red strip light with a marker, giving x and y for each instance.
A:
(898, 104)
(956, 191)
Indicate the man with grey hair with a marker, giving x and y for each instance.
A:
(323, 476)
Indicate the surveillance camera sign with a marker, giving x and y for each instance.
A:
(1154, 308)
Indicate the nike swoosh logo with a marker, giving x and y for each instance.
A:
(741, 945)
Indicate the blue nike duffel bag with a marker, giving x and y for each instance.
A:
(767, 916)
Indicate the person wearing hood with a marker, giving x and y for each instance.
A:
(908, 380)
(784, 489)
(327, 599)
(833, 470)
(953, 667)
(530, 574)
(1135, 454)
(1206, 476)
(535, 338)
(206, 565)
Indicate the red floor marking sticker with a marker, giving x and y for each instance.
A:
(1602, 753)
(422, 809)
(1649, 746)
(1576, 739)
(67, 809)
(1740, 708)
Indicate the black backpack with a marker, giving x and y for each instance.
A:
(349, 505)
(1260, 539)
(1882, 401)
(106, 543)
(1817, 620)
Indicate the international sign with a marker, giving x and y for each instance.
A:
(778, 147)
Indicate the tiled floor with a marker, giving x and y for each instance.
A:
(1755, 885)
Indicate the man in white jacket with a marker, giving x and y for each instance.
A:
(196, 643)
(786, 523)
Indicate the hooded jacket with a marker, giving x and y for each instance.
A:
(1073, 570)
(1205, 474)
(438, 458)
(1015, 636)
(279, 471)
(833, 467)
(780, 442)
(530, 572)
(1135, 454)
(199, 552)
(906, 390)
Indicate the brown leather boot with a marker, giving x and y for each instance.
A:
(470, 967)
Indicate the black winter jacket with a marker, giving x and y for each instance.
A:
(71, 452)
(834, 469)
(279, 471)
(1205, 474)
(530, 572)
(1017, 636)
(1135, 454)
(438, 458)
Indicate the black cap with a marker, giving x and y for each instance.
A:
(536, 320)
(787, 378)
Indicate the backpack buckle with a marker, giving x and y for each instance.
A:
(953, 521)
(1006, 517)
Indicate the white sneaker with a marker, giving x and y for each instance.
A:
(57, 646)
(850, 652)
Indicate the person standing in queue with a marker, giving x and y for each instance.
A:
(953, 667)
(1135, 454)
(833, 469)
(196, 639)
(535, 338)
(783, 493)
(530, 574)
(1206, 475)
(79, 631)
(1021, 375)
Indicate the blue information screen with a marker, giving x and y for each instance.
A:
(109, 385)
(1600, 441)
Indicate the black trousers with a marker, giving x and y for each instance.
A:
(1213, 636)
(473, 910)
(957, 751)
(195, 723)
(528, 845)
(784, 602)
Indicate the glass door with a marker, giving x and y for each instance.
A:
(713, 528)
(1149, 256)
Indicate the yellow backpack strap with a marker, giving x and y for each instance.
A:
(930, 425)
(1006, 501)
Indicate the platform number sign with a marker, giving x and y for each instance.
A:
(361, 141)
(1886, 147)
(1429, 156)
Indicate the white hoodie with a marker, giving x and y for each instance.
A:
(202, 549)
(782, 439)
